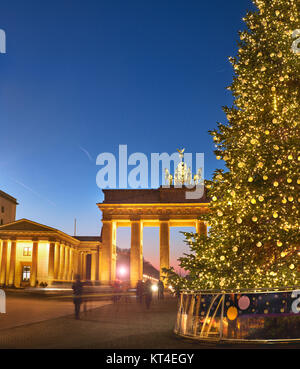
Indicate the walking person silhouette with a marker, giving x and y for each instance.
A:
(77, 295)
(148, 293)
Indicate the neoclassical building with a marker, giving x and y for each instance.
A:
(8, 205)
(32, 254)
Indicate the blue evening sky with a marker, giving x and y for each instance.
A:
(81, 77)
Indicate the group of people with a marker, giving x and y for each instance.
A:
(120, 288)
(144, 289)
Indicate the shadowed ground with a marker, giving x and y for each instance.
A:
(122, 325)
(23, 309)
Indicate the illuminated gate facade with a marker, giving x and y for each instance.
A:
(162, 207)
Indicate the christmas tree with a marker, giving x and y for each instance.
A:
(254, 212)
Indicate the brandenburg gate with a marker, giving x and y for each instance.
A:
(164, 207)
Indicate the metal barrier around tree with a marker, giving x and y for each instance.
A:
(240, 315)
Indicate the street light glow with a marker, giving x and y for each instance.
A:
(154, 288)
(122, 271)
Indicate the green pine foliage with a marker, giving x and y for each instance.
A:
(254, 211)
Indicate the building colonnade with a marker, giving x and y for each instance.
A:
(64, 262)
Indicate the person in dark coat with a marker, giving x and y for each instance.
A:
(148, 293)
(161, 289)
(77, 295)
(116, 291)
(139, 291)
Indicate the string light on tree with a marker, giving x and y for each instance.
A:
(254, 213)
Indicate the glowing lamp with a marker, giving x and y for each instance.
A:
(122, 271)
(154, 288)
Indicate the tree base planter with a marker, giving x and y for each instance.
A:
(240, 316)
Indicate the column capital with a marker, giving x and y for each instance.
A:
(52, 239)
(135, 219)
(106, 219)
(164, 220)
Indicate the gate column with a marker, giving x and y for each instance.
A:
(164, 250)
(109, 252)
(136, 252)
(201, 227)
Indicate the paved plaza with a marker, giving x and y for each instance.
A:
(49, 323)
(24, 310)
(33, 322)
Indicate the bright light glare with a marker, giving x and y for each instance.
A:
(122, 271)
(154, 287)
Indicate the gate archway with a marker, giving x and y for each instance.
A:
(162, 207)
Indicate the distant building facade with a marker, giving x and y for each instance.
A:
(8, 205)
(32, 254)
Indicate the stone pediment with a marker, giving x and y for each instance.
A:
(26, 225)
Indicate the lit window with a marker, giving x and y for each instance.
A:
(27, 251)
(26, 273)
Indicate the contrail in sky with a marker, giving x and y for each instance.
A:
(86, 153)
(31, 190)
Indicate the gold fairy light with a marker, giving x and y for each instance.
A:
(254, 212)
